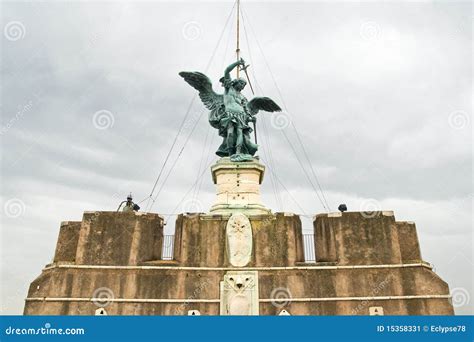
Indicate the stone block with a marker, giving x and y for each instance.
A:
(119, 238)
(201, 240)
(278, 240)
(357, 238)
(67, 241)
(409, 244)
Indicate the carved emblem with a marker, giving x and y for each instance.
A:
(239, 240)
(239, 293)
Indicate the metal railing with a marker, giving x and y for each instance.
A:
(308, 244)
(168, 247)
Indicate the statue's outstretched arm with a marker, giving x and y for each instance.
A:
(231, 67)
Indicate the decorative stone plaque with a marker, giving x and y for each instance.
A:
(239, 240)
(239, 293)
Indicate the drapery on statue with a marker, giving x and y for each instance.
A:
(231, 113)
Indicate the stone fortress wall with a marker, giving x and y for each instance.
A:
(111, 262)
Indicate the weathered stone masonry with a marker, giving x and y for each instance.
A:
(363, 261)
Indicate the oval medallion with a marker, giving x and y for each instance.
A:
(239, 240)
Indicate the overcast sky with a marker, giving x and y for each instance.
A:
(380, 94)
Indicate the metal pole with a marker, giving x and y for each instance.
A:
(237, 50)
(255, 132)
(248, 78)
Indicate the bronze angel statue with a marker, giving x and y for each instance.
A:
(230, 112)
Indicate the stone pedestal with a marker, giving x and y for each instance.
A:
(238, 187)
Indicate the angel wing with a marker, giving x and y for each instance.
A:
(262, 103)
(213, 101)
(203, 84)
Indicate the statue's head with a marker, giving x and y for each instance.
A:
(239, 84)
